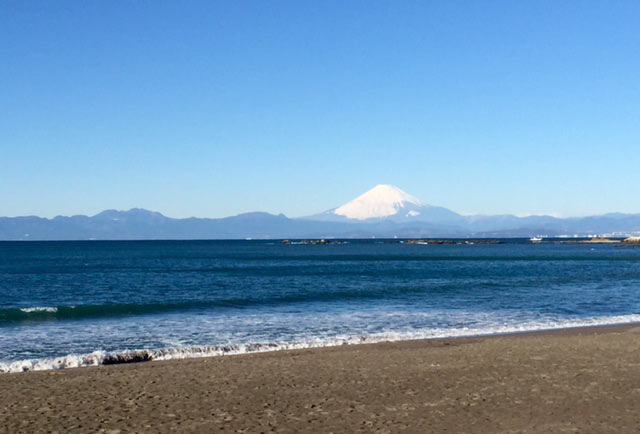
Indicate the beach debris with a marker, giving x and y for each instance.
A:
(127, 357)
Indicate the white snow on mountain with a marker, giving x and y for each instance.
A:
(381, 201)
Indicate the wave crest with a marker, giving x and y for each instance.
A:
(39, 309)
(134, 356)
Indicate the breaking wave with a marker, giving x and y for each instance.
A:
(86, 311)
(89, 311)
(97, 358)
(38, 309)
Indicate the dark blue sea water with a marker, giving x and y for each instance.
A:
(74, 303)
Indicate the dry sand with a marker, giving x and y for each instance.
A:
(584, 380)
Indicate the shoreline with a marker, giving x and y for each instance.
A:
(135, 356)
(583, 379)
(103, 358)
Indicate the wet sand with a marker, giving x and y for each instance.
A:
(581, 380)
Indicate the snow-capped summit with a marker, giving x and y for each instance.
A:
(379, 202)
(387, 204)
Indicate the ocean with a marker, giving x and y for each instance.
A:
(68, 304)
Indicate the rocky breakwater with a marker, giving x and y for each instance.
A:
(599, 240)
(440, 242)
(314, 242)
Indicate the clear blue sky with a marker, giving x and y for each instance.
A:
(209, 109)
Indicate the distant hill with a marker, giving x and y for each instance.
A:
(384, 212)
(143, 224)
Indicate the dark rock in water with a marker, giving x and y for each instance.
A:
(133, 357)
(314, 242)
(258, 347)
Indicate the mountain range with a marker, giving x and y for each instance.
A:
(385, 211)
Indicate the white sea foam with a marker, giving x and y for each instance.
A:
(101, 357)
(39, 309)
(69, 361)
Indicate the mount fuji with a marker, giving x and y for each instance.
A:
(388, 203)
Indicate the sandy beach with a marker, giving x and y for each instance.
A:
(580, 380)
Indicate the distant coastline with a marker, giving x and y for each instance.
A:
(139, 224)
